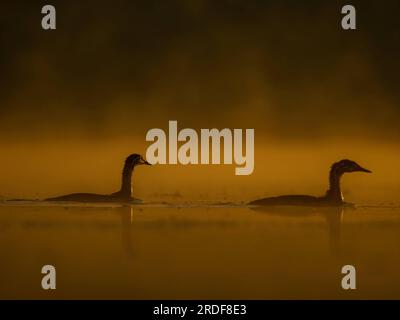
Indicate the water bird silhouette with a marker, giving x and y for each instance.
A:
(333, 197)
(124, 194)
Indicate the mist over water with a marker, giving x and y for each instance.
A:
(81, 99)
(49, 168)
(285, 69)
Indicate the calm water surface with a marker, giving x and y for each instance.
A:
(197, 251)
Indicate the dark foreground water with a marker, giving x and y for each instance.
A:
(197, 251)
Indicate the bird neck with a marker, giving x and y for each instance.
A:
(126, 184)
(334, 193)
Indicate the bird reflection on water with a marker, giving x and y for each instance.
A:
(333, 217)
(126, 214)
(143, 249)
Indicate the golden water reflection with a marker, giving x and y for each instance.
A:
(185, 252)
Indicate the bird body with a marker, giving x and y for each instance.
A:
(294, 200)
(124, 194)
(89, 197)
(333, 196)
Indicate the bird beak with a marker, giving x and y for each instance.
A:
(364, 170)
(142, 161)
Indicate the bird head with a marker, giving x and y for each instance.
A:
(345, 166)
(136, 160)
